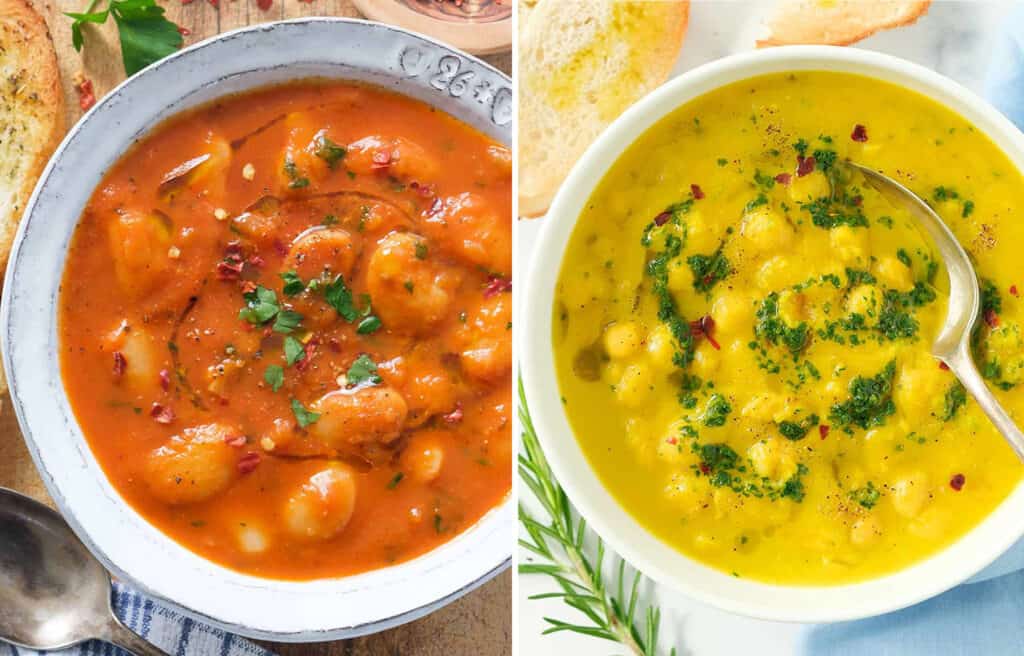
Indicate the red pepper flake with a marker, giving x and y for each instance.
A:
(248, 287)
(991, 318)
(230, 268)
(248, 463)
(214, 3)
(310, 349)
(86, 95)
(161, 414)
(673, 441)
(455, 416)
(120, 364)
(184, 31)
(804, 165)
(703, 327)
(697, 192)
(280, 247)
(823, 430)
(943, 366)
(858, 201)
(860, 133)
(435, 207)
(256, 261)
(264, 5)
(334, 345)
(235, 440)
(165, 379)
(497, 285)
(381, 160)
(783, 178)
(957, 482)
(662, 218)
(705, 468)
(1013, 291)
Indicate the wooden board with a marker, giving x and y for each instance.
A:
(479, 624)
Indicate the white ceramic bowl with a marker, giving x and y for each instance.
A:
(127, 544)
(655, 558)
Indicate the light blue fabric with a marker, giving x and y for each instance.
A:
(985, 616)
(174, 633)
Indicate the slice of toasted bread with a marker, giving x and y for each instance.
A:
(31, 111)
(581, 63)
(836, 22)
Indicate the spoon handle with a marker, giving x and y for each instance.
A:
(125, 638)
(963, 366)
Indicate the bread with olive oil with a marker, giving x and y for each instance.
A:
(836, 22)
(581, 64)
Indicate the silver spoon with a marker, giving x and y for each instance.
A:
(53, 593)
(953, 343)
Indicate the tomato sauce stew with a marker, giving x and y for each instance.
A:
(285, 326)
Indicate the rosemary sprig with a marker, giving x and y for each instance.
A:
(612, 614)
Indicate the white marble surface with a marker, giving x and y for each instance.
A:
(950, 39)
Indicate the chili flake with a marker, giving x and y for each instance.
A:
(1013, 291)
(943, 366)
(165, 379)
(455, 416)
(860, 133)
(804, 165)
(86, 95)
(264, 5)
(991, 318)
(698, 193)
(120, 364)
(235, 440)
(703, 327)
(497, 285)
(823, 430)
(783, 178)
(957, 482)
(161, 414)
(662, 218)
(381, 160)
(184, 31)
(248, 463)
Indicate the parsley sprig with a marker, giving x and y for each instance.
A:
(145, 33)
(611, 614)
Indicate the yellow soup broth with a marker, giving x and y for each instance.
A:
(743, 327)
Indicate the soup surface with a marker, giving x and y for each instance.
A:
(285, 327)
(743, 327)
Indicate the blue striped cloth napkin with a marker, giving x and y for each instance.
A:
(171, 631)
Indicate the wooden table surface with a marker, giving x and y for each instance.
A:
(479, 624)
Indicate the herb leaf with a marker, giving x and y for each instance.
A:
(293, 285)
(339, 296)
(363, 369)
(260, 306)
(870, 401)
(287, 321)
(328, 151)
(145, 33)
(293, 350)
(274, 376)
(302, 415)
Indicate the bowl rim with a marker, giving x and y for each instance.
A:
(441, 575)
(952, 565)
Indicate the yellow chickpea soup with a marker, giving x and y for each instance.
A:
(743, 329)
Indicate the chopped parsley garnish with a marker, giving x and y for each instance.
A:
(287, 321)
(329, 152)
(273, 375)
(329, 220)
(794, 486)
(339, 297)
(395, 480)
(302, 415)
(870, 401)
(801, 147)
(866, 496)
(293, 285)
(968, 208)
(763, 179)
(894, 320)
(824, 159)
(708, 270)
(904, 257)
(772, 328)
(421, 250)
(668, 311)
(757, 202)
(945, 193)
(797, 430)
(856, 277)
(362, 370)
(409, 286)
(260, 306)
(842, 209)
(717, 410)
(296, 181)
(293, 350)
(956, 398)
(369, 325)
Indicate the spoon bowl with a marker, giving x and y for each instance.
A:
(953, 343)
(53, 593)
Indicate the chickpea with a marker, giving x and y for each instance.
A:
(622, 339)
(864, 300)
(893, 273)
(866, 531)
(660, 349)
(323, 505)
(733, 314)
(910, 493)
(852, 245)
(193, 466)
(634, 386)
(766, 230)
(809, 187)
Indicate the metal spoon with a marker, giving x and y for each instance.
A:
(53, 593)
(953, 343)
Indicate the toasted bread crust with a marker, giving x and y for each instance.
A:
(31, 110)
(536, 36)
(801, 22)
